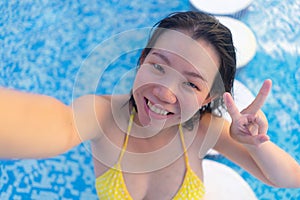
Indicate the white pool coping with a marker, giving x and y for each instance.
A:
(243, 38)
(222, 182)
(221, 7)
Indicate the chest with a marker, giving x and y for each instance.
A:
(147, 173)
(156, 175)
(159, 184)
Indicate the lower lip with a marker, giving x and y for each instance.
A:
(153, 114)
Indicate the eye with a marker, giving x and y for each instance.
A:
(192, 85)
(159, 68)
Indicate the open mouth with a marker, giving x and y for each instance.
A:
(156, 109)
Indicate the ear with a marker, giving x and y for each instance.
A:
(209, 98)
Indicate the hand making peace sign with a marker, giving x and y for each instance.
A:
(250, 125)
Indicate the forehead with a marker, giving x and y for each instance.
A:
(198, 53)
(181, 44)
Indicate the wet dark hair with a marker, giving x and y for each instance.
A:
(206, 27)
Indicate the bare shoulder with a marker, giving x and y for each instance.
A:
(211, 129)
(92, 113)
(211, 123)
(88, 111)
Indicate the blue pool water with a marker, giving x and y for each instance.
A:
(44, 45)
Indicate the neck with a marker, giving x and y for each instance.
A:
(147, 140)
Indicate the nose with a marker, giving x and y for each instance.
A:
(164, 94)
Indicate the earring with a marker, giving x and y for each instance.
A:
(203, 108)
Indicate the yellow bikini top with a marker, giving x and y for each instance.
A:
(111, 184)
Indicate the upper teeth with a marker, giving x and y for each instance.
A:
(156, 109)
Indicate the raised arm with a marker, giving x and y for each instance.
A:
(35, 126)
(246, 143)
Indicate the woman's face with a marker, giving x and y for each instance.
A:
(174, 79)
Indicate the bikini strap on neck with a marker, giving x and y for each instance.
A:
(127, 135)
(186, 158)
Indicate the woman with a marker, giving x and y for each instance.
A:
(150, 144)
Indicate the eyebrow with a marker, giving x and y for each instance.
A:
(163, 57)
(195, 75)
(188, 73)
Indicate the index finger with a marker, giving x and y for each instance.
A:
(261, 97)
(231, 107)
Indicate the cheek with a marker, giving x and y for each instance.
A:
(190, 104)
(141, 87)
(141, 79)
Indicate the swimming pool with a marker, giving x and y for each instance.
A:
(44, 43)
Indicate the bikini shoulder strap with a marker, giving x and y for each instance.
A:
(127, 135)
(186, 158)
